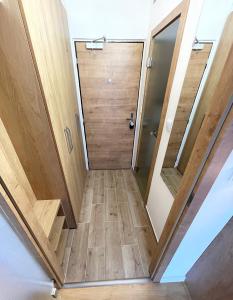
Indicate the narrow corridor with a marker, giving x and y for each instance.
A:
(114, 239)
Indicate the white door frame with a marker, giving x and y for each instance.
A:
(139, 100)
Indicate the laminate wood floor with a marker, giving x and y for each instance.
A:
(114, 239)
(150, 291)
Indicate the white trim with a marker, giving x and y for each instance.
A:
(73, 53)
(140, 92)
(152, 225)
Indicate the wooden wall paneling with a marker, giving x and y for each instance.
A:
(205, 103)
(46, 25)
(181, 10)
(218, 156)
(17, 187)
(23, 112)
(218, 90)
(108, 104)
(211, 276)
(193, 77)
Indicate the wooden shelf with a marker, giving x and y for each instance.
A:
(46, 212)
(172, 178)
(56, 231)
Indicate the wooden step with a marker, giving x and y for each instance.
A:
(46, 212)
(62, 245)
(56, 231)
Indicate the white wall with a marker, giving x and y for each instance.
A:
(208, 27)
(213, 215)
(21, 276)
(121, 19)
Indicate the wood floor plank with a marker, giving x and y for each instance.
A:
(90, 180)
(147, 246)
(98, 190)
(95, 264)
(67, 252)
(132, 261)
(85, 213)
(137, 209)
(96, 230)
(130, 180)
(150, 291)
(114, 259)
(121, 190)
(126, 224)
(107, 228)
(111, 205)
(109, 179)
(77, 264)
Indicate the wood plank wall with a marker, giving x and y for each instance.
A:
(190, 87)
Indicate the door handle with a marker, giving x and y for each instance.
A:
(154, 133)
(69, 141)
(131, 121)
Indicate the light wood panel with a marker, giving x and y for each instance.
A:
(193, 77)
(210, 278)
(50, 46)
(174, 291)
(113, 246)
(56, 231)
(23, 113)
(46, 212)
(17, 186)
(205, 103)
(218, 91)
(109, 81)
(62, 245)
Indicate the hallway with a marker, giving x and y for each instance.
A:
(114, 239)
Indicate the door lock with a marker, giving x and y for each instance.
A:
(131, 121)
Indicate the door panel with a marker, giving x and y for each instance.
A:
(109, 81)
(161, 57)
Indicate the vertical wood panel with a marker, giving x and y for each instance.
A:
(193, 77)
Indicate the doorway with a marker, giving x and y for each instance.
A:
(109, 83)
(159, 63)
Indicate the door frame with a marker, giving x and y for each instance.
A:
(181, 11)
(222, 148)
(219, 91)
(78, 86)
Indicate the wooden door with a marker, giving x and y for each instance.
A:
(49, 39)
(109, 81)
